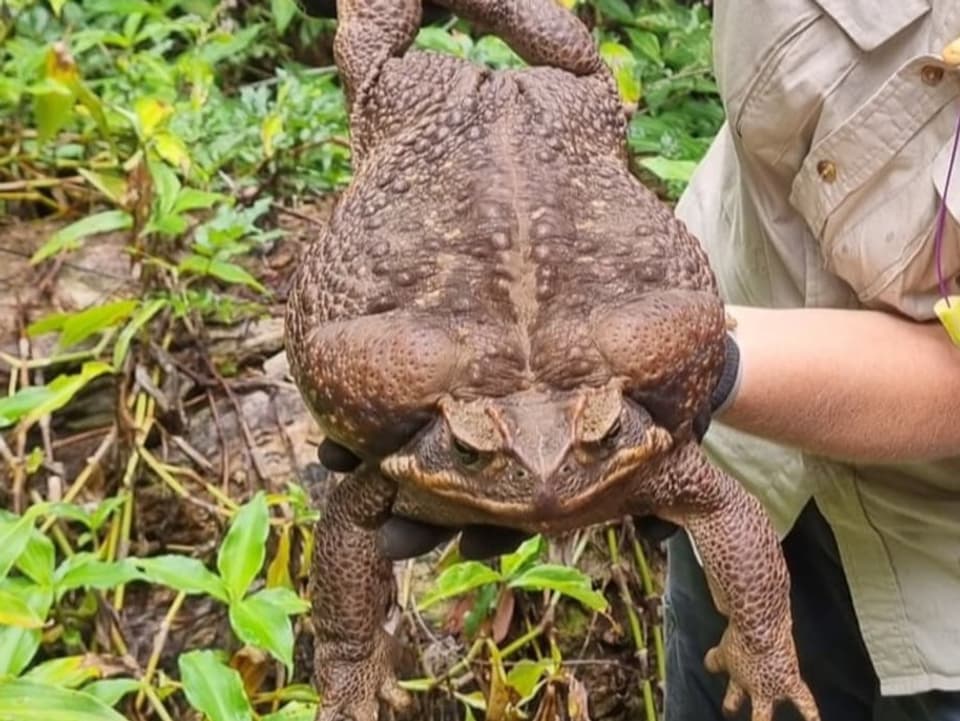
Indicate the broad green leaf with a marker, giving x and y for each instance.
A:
(69, 237)
(294, 711)
(151, 114)
(47, 324)
(284, 599)
(567, 581)
(64, 388)
(14, 537)
(109, 691)
(624, 67)
(283, 12)
(526, 674)
(221, 269)
(66, 672)
(38, 559)
(143, 315)
(260, 623)
(616, 10)
(645, 44)
(183, 574)
(528, 550)
(444, 41)
(15, 612)
(172, 149)
(54, 99)
(458, 579)
(193, 199)
(213, 688)
(112, 186)
(80, 326)
(22, 700)
(666, 169)
(57, 6)
(85, 570)
(18, 646)
(13, 408)
(243, 549)
(166, 185)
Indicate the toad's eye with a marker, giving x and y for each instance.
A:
(467, 455)
(611, 435)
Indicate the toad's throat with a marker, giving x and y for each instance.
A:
(541, 505)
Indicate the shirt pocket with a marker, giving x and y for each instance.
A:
(870, 189)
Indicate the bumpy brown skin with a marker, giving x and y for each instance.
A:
(510, 329)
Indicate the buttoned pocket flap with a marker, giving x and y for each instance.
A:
(870, 23)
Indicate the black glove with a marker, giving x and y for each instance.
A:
(724, 390)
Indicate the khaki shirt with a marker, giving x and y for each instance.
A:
(822, 190)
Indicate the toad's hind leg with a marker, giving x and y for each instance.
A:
(748, 579)
(540, 31)
(351, 586)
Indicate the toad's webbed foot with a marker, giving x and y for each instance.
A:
(748, 580)
(353, 689)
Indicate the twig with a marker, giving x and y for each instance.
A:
(159, 641)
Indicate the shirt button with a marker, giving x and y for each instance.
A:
(827, 170)
(931, 74)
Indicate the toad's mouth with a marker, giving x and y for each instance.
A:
(535, 503)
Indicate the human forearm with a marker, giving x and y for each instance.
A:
(857, 385)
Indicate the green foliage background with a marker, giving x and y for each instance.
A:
(187, 125)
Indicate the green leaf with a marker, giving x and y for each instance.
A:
(166, 184)
(284, 599)
(18, 646)
(260, 623)
(14, 537)
(66, 672)
(85, 570)
(183, 574)
(283, 12)
(15, 612)
(227, 272)
(112, 186)
(80, 326)
(525, 676)
(243, 549)
(666, 169)
(624, 67)
(38, 559)
(567, 581)
(139, 319)
(57, 6)
(645, 44)
(109, 691)
(528, 551)
(193, 199)
(13, 408)
(294, 711)
(22, 700)
(62, 389)
(213, 688)
(458, 579)
(616, 10)
(68, 238)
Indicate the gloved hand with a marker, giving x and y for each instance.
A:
(401, 538)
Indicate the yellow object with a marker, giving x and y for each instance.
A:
(950, 317)
(951, 53)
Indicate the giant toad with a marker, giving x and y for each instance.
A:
(509, 329)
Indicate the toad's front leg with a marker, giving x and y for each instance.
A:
(351, 587)
(748, 579)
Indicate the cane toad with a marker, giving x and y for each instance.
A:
(508, 328)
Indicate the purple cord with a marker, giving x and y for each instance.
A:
(942, 216)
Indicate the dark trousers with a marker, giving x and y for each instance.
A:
(833, 658)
